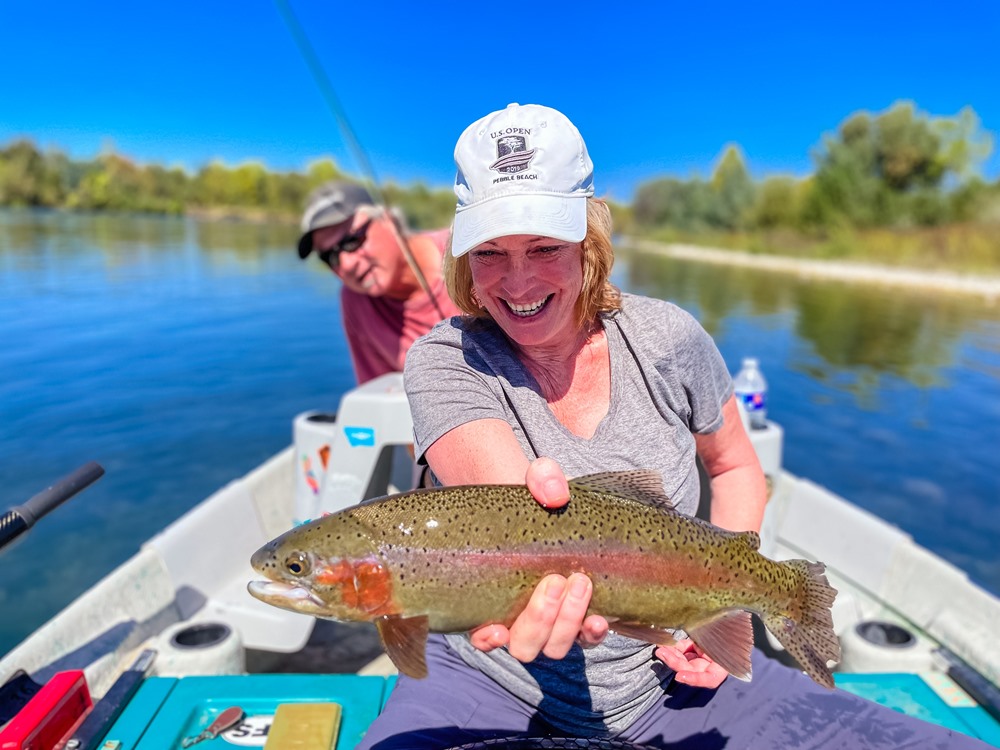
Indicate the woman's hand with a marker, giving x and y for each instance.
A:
(556, 615)
(546, 481)
(691, 666)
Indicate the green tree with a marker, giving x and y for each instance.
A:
(846, 184)
(248, 185)
(211, 185)
(423, 207)
(113, 182)
(622, 217)
(777, 203)
(670, 202)
(964, 144)
(323, 170)
(170, 188)
(734, 191)
(29, 178)
(894, 168)
(907, 149)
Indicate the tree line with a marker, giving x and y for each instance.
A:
(898, 168)
(113, 182)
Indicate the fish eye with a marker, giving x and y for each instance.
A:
(297, 564)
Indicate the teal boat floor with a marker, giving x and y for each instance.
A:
(165, 710)
(936, 699)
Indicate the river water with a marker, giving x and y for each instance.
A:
(176, 352)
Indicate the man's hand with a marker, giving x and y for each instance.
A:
(691, 665)
(556, 615)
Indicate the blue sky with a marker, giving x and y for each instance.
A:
(656, 89)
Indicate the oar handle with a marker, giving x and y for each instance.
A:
(20, 518)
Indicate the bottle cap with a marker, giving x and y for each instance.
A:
(751, 362)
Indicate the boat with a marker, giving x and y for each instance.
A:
(158, 650)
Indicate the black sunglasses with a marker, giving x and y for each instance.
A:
(347, 244)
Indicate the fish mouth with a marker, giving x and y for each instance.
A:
(528, 310)
(285, 595)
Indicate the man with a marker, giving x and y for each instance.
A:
(385, 304)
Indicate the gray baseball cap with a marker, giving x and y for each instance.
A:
(329, 204)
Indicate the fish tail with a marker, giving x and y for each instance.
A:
(806, 629)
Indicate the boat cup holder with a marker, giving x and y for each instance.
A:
(880, 646)
(199, 648)
(321, 418)
(201, 635)
(885, 634)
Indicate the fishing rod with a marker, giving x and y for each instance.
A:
(19, 519)
(340, 114)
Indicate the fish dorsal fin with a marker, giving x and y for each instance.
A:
(405, 641)
(728, 641)
(642, 485)
(749, 539)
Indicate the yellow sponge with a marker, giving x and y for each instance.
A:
(304, 726)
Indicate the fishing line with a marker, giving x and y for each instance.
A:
(340, 114)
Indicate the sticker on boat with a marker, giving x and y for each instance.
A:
(251, 732)
(360, 436)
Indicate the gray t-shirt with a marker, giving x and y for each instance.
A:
(668, 381)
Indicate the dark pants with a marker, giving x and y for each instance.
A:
(781, 708)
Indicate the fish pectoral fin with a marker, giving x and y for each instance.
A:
(644, 486)
(646, 633)
(405, 641)
(728, 641)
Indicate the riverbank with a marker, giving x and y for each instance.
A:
(241, 213)
(985, 286)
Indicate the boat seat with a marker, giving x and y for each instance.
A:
(207, 554)
(816, 523)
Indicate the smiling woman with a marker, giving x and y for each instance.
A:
(553, 371)
(597, 258)
(522, 281)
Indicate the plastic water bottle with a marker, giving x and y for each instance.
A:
(751, 391)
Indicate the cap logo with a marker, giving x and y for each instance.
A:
(512, 152)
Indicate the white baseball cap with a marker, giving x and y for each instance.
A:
(521, 170)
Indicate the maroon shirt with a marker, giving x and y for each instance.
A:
(380, 330)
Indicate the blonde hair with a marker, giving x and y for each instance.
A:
(598, 293)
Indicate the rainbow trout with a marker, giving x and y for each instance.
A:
(451, 559)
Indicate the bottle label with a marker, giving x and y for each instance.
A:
(755, 401)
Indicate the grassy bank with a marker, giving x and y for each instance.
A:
(956, 248)
(983, 285)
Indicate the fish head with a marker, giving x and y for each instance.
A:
(326, 568)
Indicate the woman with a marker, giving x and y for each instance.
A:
(552, 362)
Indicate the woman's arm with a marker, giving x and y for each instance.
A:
(484, 451)
(739, 489)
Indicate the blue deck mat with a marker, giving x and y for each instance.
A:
(166, 710)
(911, 695)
